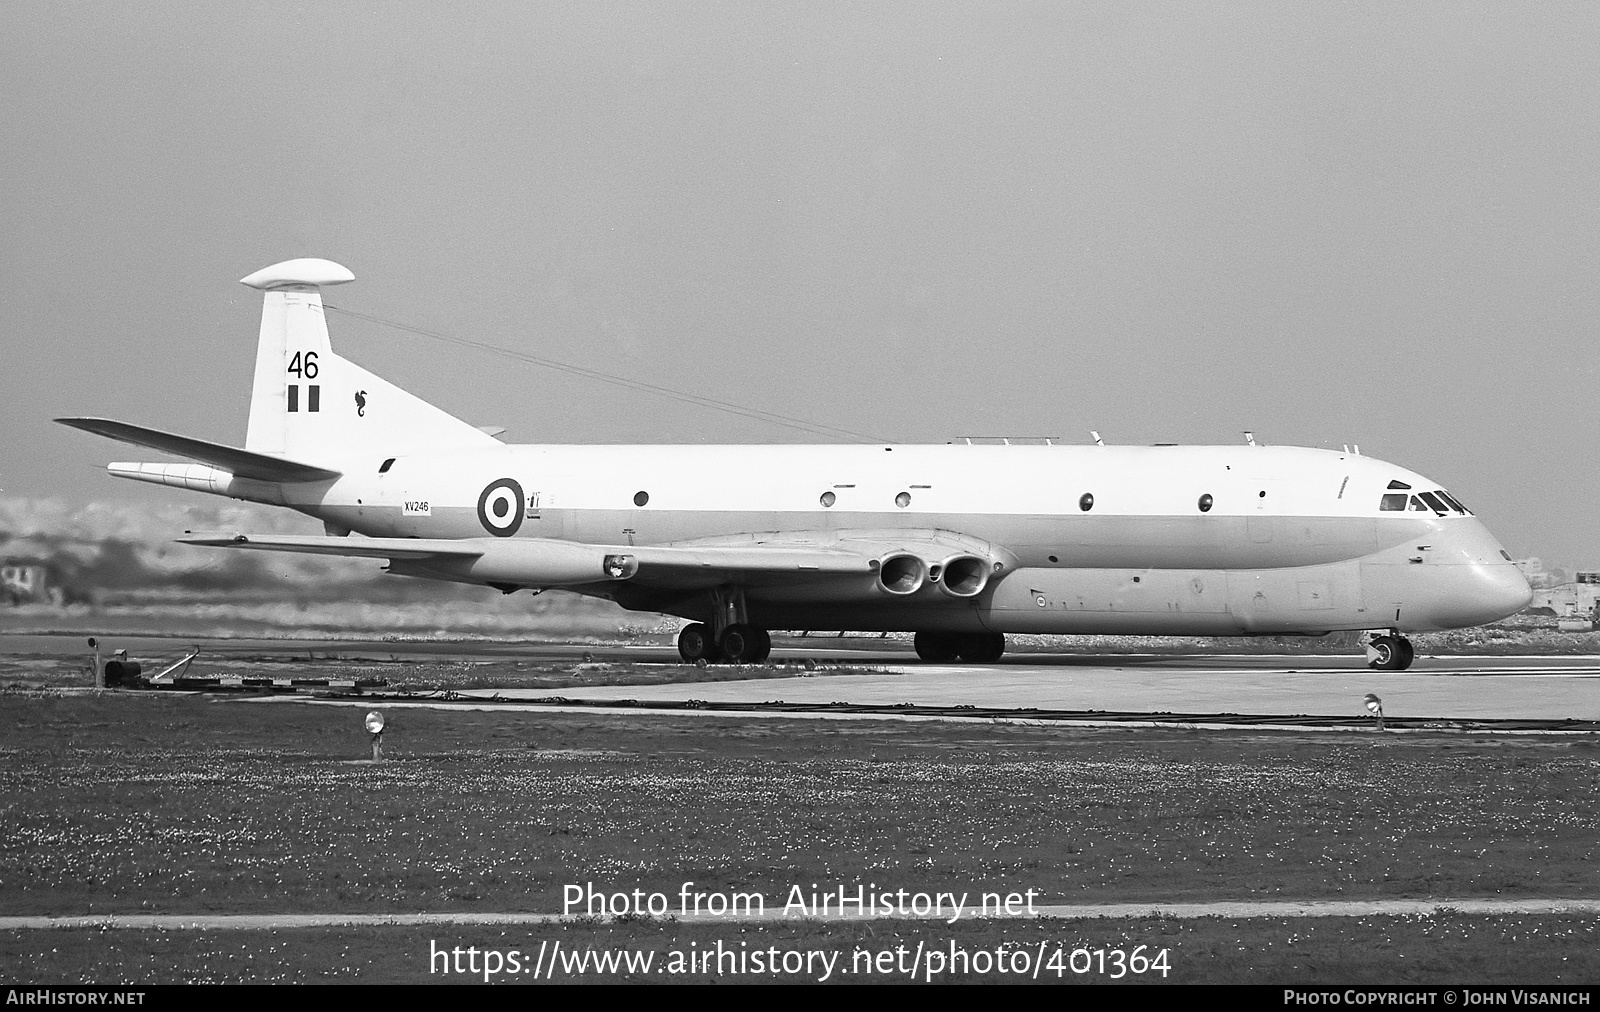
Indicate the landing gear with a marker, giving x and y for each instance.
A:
(743, 644)
(1390, 652)
(695, 643)
(982, 648)
(937, 648)
(974, 648)
(740, 644)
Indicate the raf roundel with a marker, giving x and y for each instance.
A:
(500, 508)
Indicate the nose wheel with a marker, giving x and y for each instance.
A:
(1390, 653)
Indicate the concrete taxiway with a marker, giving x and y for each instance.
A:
(1535, 688)
(867, 671)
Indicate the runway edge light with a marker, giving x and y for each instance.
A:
(374, 725)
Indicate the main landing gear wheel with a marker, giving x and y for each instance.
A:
(1390, 653)
(695, 643)
(743, 644)
(936, 648)
(981, 648)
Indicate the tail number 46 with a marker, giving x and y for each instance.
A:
(304, 365)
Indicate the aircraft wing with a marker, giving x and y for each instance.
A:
(244, 463)
(686, 568)
(370, 548)
(541, 562)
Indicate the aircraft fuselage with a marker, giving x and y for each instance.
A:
(1292, 540)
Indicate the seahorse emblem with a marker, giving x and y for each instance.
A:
(361, 404)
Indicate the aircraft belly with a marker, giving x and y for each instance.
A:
(1309, 599)
(1111, 601)
(1306, 599)
(884, 616)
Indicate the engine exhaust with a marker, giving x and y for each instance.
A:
(965, 575)
(902, 574)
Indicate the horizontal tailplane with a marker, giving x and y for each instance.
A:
(242, 463)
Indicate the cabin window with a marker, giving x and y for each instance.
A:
(1205, 503)
(1399, 484)
(1393, 501)
(384, 467)
(640, 498)
(903, 500)
(827, 499)
(1086, 502)
(1418, 506)
(1435, 502)
(1442, 494)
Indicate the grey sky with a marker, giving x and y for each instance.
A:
(1368, 223)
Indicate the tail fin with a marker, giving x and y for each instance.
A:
(308, 403)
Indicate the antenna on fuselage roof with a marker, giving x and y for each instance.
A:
(1249, 437)
(1097, 440)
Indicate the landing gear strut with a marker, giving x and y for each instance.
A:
(729, 636)
(1390, 652)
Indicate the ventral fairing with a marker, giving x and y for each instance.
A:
(959, 544)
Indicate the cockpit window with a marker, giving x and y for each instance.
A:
(1455, 504)
(1434, 501)
(1393, 501)
(1418, 506)
(1397, 483)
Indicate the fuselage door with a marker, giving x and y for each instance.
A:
(543, 514)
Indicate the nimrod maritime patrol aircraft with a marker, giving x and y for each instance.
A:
(958, 543)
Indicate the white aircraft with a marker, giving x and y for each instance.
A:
(959, 544)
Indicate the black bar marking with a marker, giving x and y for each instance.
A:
(313, 397)
(294, 397)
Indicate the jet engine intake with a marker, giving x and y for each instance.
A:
(902, 574)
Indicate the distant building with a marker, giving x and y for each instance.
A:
(24, 582)
(1534, 572)
(1580, 599)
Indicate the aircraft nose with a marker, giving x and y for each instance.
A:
(1483, 584)
(1498, 591)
